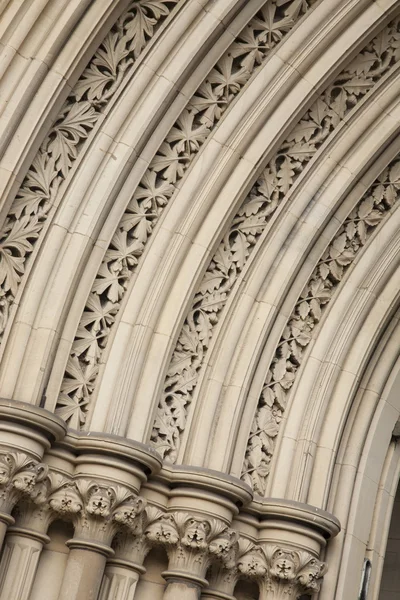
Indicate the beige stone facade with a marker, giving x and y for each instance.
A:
(199, 299)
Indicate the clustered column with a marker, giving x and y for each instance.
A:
(213, 531)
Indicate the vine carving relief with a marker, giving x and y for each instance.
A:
(250, 221)
(274, 20)
(59, 150)
(297, 334)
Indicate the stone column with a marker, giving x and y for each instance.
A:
(24, 541)
(26, 432)
(131, 547)
(195, 529)
(285, 560)
(120, 579)
(19, 561)
(290, 574)
(102, 508)
(108, 476)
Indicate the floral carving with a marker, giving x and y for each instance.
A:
(54, 495)
(66, 500)
(20, 475)
(234, 250)
(297, 334)
(281, 573)
(192, 542)
(82, 109)
(98, 510)
(291, 573)
(131, 543)
(274, 20)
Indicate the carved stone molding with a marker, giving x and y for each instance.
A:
(182, 144)
(324, 281)
(378, 57)
(98, 83)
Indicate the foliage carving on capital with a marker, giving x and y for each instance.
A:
(292, 573)
(251, 561)
(163, 531)
(192, 542)
(66, 500)
(20, 475)
(54, 496)
(131, 543)
(100, 509)
(281, 573)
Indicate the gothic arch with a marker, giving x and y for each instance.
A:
(199, 293)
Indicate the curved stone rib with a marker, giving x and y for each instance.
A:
(310, 307)
(270, 190)
(183, 142)
(96, 86)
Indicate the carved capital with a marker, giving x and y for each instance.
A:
(20, 475)
(98, 510)
(282, 573)
(192, 543)
(131, 544)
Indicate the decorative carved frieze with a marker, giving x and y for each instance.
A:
(313, 301)
(205, 109)
(97, 509)
(270, 190)
(105, 513)
(82, 109)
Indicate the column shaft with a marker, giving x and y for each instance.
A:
(182, 590)
(83, 574)
(18, 564)
(119, 582)
(5, 521)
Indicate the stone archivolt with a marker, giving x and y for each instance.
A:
(124, 499)
(354, 233)
(268, 193)
(205, 109)
(84, 106)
